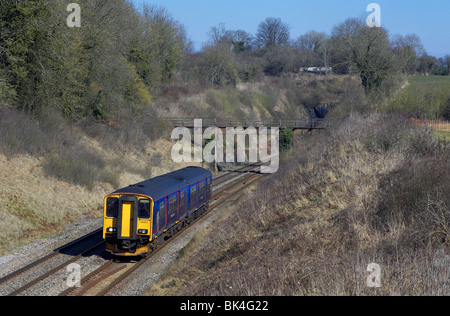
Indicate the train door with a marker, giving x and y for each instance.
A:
(201, 192)
(172, 211)
(193, 197)
(183, 202)
(209, 188)
(161, 216)
(127, 217)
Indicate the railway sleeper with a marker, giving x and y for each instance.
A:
(179, 226)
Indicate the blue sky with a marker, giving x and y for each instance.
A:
(430, 19)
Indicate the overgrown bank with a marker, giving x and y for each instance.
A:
(53, 173)
(372, 190)
(81, 109)
(55, 170)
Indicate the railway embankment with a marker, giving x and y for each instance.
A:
(372, 191)
(54, 171)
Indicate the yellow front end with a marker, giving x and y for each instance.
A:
(127, 224)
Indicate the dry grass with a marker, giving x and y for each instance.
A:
(373, 190)
(52, 173)
(271, 98)
(35, 204)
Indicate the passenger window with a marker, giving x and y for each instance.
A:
(162, 212)
(172, 206)
(144, 209)
(193, 195)
(112, 207)
(202, 189)
(182, 200)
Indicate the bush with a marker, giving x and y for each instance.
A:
(225, 101)
(134, 128)
(59, 143)
(416, 195)
(218, 66)
(21, 134)
(333, 208)
(248, 73)
(76, 165)
(286, 138)
(446, 110)
(313, 100)
(423, 97)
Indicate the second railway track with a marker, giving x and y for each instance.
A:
(105, 277)
(118, 272)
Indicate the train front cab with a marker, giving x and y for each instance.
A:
(132, 222)
(127, 224)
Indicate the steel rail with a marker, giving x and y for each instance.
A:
(53, 271)
(46, 258)
(221, 196)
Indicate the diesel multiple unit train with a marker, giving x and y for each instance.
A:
(140, 217)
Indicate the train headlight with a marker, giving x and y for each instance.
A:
(111, 230)
(143, 231)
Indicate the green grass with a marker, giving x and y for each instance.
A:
(442, 135)
(424, 96)
(225, 101)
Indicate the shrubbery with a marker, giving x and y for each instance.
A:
(423, 97)
(346, 198)
(67, 157)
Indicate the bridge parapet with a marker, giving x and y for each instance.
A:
(303, 124)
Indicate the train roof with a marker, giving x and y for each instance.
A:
(163, 185)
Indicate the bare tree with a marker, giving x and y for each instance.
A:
(407, 49)
(366, 50)
(237, 41)
(163, 45)
(311, 41)
(242, 41)
(447, 62)
(218, 65)
(426, 64)
(315, 48)
(219, 35)
(272, 33)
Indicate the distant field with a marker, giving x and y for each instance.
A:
(441, 128)
(443, 135)
(424, 97)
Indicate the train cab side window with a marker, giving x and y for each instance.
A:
(112, 207)
(144, 209)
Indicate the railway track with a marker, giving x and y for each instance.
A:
(36, 272)
(105, 274)
(109, 275)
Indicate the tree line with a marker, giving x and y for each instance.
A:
(122, 57)
(351, 48)
(118, 57)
